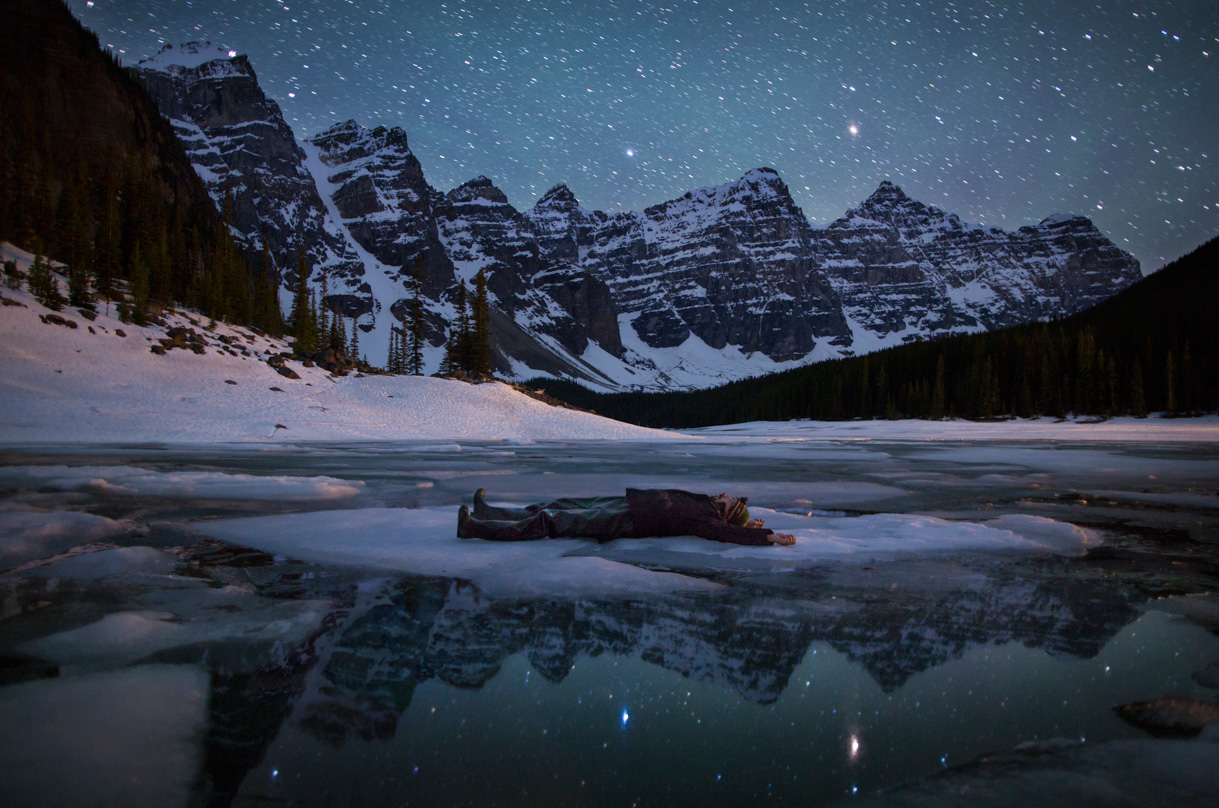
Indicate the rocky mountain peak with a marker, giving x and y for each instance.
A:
(560, 197)
(193, 55)
(889, 192)
(480, 190)
(1066, 221)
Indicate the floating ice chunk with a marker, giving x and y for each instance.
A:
(423, 541)
(130, 480)
(111, 563)
(126, 637)
(27, 535)
(130, 737)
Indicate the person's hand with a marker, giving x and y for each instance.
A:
(785, 539)
(755, 523)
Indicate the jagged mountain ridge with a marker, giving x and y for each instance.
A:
(248, 157)
(721, 283)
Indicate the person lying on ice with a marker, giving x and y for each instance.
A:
(639, 514)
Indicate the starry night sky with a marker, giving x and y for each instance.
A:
(1000, 112)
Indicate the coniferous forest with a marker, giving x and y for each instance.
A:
(1152, 348)
(92, 176)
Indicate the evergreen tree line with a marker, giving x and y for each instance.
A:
(313, 327)
(124, 212)
(1152, 348)
(406, 337)
(468, 350)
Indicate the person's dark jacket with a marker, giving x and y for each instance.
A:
(670, 512)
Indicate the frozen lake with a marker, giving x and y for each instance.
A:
(253, 625)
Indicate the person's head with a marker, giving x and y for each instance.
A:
(734, 509)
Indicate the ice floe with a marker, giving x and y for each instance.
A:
(130, 480)
(423, 541)
(30, 534)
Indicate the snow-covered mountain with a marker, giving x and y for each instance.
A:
(907, 270)
(719, 284)
(248, 157)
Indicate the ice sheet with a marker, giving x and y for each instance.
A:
(861, 539)
(30, 534)
(423, 541)
(129, 737)
(181, 484)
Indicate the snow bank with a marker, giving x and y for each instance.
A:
(181, 484)
(88, 384)
(423, 541)
(130, 737)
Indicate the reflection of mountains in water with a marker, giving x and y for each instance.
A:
(422, 630)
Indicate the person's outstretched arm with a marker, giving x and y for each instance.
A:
(749, 536)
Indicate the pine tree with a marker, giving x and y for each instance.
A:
(43, 285)
(304, 320)
(1170, 379)
(78, 286)
(938, 392)
(323, 322)
(414, 347)
(354, 348)
(391, 361)
(1138, 402)
(139, 287)
(480, 330)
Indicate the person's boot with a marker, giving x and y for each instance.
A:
(480, 504)
(463, 523)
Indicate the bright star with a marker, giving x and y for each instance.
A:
(232, 54)
(625, 717)
(630, 152)
(853, 129)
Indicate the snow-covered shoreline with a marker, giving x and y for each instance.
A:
(89, 385)
(99, 382)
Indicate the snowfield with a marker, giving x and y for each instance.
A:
(88, 384)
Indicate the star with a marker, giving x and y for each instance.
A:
(630, 152)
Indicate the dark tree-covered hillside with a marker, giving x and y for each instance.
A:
(1152, 348)
(93, 176)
